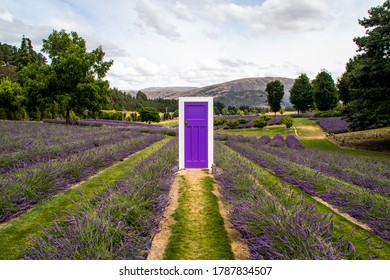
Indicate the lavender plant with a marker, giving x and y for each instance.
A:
(333, 124)
(275, 225)
(372, 209)
(42, 176)
(293, 142)
(277, 141)
(123, 221)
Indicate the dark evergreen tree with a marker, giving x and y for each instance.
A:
(367, 76)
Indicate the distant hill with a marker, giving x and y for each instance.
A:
(247, 91)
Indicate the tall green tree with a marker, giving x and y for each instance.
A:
(11, 99)
(149, 114)
(74, 79)
(301, 94)
(367, 75)
(275, 92)
(325, 91)
(8, 54)
(27, 55)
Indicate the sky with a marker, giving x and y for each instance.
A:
(160, 43)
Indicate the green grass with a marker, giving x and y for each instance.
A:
(341, 224)
(305, 128)
(198, 235)
(325, 144)
(16, 234)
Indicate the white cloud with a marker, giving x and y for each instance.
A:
(154, 17)
(6, 16)
(273, 15)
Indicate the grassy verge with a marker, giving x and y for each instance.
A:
(325, 144)
(305, 128)
(199, 232)
(16, 234)
(365, 247)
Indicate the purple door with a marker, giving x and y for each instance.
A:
(195, 135)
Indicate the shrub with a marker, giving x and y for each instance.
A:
(261, 121)
(232, 123)
(288, 121)
(242, 120)
(219, 121)
(277, 141)
(326, 114)
(293, 142)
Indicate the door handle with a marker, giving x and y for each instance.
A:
(186, 123)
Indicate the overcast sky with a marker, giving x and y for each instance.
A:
(198, 42)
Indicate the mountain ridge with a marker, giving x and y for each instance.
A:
(245, 91)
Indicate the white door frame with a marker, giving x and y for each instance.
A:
(210, 128)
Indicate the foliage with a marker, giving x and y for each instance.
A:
(218, 107)
(367, 76)
(149, 114)
(325, 91)
(261, 121)
(326, 114)
(27, 55)
(275, 92)
(219, 121)
(301, 94)
(232, 123)
(74, 79)
(287, 121)
(120, 100)
(8, 54)
(11, 99)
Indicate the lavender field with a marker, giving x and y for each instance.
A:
(40, 160)
(357, 186)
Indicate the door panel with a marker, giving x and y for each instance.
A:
(195, 135)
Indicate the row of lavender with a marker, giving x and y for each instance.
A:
(333, 124)
(31, 177)
(277, 141)
(122, 223)
(366, 172)
(314, 177)
(275, 224)
(37, 143)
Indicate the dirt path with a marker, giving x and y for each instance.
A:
(191, 181)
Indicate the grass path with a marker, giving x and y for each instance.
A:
(16, 233)
(198, 231)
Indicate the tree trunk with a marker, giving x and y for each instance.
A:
(67, 117)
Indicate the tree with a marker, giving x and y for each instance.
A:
(301, 94)
(325, 91)
(218, 107)
(10, 100)
(141, 96)
(27, 55)
(261, 121)
(74, 78)
(367, 75)
(275, 92)
(8, 55)
(149, 114)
